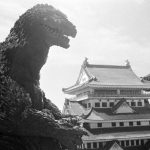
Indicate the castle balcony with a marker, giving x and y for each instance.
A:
(90, 96)
(119, 95)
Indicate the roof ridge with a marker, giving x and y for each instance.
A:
(107, 66)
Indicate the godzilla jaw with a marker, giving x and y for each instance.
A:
(65, 40)
(58, 37)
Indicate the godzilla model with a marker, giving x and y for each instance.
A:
(29, 121)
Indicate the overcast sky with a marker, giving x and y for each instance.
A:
(109, 32)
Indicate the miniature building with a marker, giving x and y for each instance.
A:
(112, 103)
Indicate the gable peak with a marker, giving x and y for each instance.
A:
(122, 107)
(85, 62)
(128, 63)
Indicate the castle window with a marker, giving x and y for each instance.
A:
(142, 142)
(94, 145)
(130, 123)
(139, 103)
(138, 123)
(122, 143)
(132, 142)
(132, 104)
(104, 104)
(89, 145)
(111, 104)
(99, 125)
(121, 124)
(100, 144)
(137, 142)
(127, 143)
(113, 124)
(89, 105)
(97, 104)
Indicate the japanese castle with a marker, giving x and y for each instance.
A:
(112, 105)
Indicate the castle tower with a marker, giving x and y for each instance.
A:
(112, 104)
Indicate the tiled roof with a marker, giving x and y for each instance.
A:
(97, 131)
(113, 75)
(75, 108)
(107, 111)
(95, 116)
(138, 110)
(142, 110)
(117, 136)
(95, 84)
(108, 76)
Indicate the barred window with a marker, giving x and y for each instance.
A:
(133, 104)
(127, 143)
(138, 123)
(132, 142)
(139, 103)
(97, 104)
(88, 145)
(94, 145)
(121, 124)
(130, 123)
(113, 124)
(104, 104)
(122, 143)
(111, 104)
(99, 124)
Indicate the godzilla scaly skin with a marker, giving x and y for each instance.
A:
(26, 48)
(22, 55)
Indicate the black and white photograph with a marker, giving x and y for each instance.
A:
(75, 75)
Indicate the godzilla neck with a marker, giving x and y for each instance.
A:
(25, 69)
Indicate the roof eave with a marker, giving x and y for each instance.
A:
(146, 87)
(74, 89)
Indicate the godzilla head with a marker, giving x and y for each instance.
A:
(44, 22)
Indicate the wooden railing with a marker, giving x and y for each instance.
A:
(118, 95)
(86, 96)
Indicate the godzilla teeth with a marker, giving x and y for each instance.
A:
(57, 34)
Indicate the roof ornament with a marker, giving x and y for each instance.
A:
(85, 62)
(127, 63)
